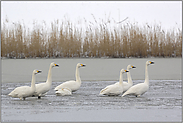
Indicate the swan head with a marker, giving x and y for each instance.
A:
(53, 64)
(149, 62)
(80, 65)
(130, 67)
(37, 71)
(124, 71)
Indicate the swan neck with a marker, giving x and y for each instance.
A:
(77, 75)
(121, 78)
(33, 87)
(49, 78)
(146, 75)
(129, 77)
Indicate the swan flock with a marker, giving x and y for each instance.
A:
(68, 87)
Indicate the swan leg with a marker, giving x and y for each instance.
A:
(39, 97)
(23, 98)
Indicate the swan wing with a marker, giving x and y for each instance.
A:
(107, 88)
(73, 85)
(41, 89)
(23, 91)
(126, 86)
(63, 92)
(136, 89)
(114, 89)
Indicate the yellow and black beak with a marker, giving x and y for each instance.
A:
(83, 65)
(151, 62)
(126, 71)
(38, 71)
(57, 65)
(133, 67)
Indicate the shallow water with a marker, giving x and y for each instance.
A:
(162, 102)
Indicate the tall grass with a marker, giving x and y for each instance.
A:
(99, 39)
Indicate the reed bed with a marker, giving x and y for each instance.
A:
(104, 38)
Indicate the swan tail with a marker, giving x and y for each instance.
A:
(126, 93)
(103, 91)
(12, 94)
(57, 88)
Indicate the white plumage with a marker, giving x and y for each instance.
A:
(127, 85)
(64, 92)
(25, 91)
(71, 85)
(42, 88)
(115, 89)
(141, 88)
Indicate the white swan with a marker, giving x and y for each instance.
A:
(140, 88)
(127, 85)
(42, 88)
(64, 92)
(70, 85)
(25, 91)
(115, 89)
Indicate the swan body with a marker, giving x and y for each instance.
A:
(115, 89)
(43, 88)
(72, 84)
(64, 92)
(141, 88)
(25, 91)
(127, 85)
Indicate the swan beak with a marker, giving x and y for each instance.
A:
(151, 62)
(39, 71)
(133, 67)
(57, 65)
(126, 71)
(83, 65)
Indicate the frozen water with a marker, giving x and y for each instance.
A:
(161, 103)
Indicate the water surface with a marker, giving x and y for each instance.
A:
(162, 103)
(20, 70)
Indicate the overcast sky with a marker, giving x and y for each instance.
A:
(167, 12)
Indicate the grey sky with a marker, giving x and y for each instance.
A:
(167, 12)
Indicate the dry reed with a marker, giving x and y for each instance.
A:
(98, 39)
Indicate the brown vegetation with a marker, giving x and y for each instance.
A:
(98, 39)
